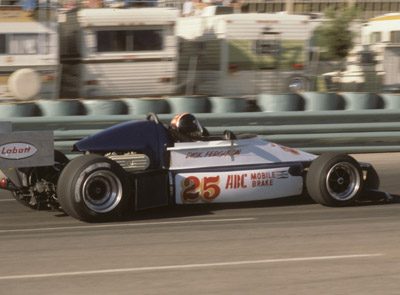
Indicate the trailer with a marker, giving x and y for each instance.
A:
(118, 52)
(226, 53)
(360, 72)
(29, 52)
(382, 34)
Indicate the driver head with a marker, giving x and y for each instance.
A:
(187, 124)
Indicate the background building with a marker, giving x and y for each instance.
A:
(369, 7)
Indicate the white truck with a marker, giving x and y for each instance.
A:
(382, 33)
(225, 53)
(360, 72)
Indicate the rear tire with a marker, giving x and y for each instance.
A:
(94, 188)
(334, 180)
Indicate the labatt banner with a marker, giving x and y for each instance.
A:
(236, 186)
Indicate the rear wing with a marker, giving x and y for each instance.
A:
(25, 148)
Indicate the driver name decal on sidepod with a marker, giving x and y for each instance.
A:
(209, 154)
(17, 150)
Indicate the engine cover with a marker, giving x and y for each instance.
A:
(131, 161)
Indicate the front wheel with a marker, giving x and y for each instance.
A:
(93, 188)
(334, 180)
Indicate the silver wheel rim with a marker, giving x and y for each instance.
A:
(102, 191)
(343, 181)
(296, 84)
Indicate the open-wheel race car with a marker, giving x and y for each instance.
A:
(143, 164)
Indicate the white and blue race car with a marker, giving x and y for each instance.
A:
(143, 164)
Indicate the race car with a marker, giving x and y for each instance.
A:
(144, 164)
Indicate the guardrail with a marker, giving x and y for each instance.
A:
(313, 131)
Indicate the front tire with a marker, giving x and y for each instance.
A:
(93, 188)
(334, 180)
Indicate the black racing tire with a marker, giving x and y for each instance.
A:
(334, 179)
(49, 173)
(93, 188)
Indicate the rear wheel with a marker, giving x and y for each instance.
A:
(93, 188)
(334, 180)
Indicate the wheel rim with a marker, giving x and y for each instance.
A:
(343, 181)
(296, 84)
(102, 191)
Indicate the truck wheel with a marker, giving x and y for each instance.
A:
(334, 179)
(93, 188)
(297, 83)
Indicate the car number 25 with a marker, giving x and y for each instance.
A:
(196, 189)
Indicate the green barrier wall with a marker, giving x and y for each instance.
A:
(138, 106)
(105, 107)
(53, 108)
(391, 101)
(322, 101)
(362, 101)
(282, 102)
(191, 104)
(227, 104)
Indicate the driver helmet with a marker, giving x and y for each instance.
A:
(187, 124)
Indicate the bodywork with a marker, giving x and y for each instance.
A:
(235, 170)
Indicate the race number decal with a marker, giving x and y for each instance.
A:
(195, 189)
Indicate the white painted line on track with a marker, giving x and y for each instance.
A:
(7, 200)
(185, 266)
(124, 225)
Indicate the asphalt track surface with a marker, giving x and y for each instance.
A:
(291, 246)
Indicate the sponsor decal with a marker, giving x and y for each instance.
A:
(263, 178)
(289, 150)
(235, 181)
(17, 150)
(282, 174)
(209, 154)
